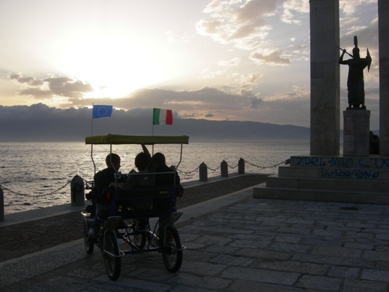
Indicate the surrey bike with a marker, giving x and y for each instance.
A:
(120, 231)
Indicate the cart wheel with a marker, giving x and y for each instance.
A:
(111, 254)
(172, 249)
(89, 245)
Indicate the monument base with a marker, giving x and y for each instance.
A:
(356, 132)
(361, 180)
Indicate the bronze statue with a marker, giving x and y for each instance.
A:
(355, 82)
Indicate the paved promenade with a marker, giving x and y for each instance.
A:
(234, 243)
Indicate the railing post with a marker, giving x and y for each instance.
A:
(241, 166)
(77, 194)
(224, 169)
(1, 205)
(203, 172)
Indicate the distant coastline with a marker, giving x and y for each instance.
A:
(40, 123)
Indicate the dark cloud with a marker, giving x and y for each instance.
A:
(255, 102)
(26, 80)
(187, 116)
(189, 101)
(50, 87)
(42, 123)
(37, 93)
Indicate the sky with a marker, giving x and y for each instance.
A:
(204, 59)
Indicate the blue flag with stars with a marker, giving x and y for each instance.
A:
(102, 111)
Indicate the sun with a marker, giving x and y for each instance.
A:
(114, 66)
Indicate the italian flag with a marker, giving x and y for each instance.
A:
(162, 117)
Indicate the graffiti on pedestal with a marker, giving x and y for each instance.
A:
(344, 167)
(340, 162)
(357, 174)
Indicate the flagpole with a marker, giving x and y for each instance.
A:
(152, 123)
(92, 120)
(91, 145)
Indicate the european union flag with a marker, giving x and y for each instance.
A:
(102, 111)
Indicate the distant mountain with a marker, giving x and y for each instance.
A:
(243, 131)
(41, 123)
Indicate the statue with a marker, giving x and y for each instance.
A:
(355, 83)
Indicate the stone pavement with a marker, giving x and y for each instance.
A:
(234, 243)
(33, 235)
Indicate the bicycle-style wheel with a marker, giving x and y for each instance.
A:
(111, 254)
(172, 249)
(88, 244)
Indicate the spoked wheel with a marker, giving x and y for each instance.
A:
(111, 255)
(89, 245)
(171, 249)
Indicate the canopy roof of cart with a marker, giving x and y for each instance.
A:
(126, 139)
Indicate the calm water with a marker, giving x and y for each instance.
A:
(38, 174)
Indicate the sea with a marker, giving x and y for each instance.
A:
(37, 175)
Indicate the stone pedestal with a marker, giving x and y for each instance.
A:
(356, 132)
(359, 180)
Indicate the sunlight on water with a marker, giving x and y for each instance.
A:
(44, 170)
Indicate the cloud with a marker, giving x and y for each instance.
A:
(245, 21)
(229, 63)
(255, 102)
(51, 87)
(25, 80)
(230, 21)
(288, 17)
(247, 25)
(273, 58)
(350, 7)
(300, 6)
(37, 93)
(224, 65)
(200, 102)
(65, 86)
(251, 78)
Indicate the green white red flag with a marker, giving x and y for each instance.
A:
(162, 117)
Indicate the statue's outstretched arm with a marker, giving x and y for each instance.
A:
(341, 58)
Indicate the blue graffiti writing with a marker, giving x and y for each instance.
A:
(308, 161)
(341, 162)
(383, 163)
(365, 174)
(345, 162)
(358, 174)
(335, 173)
(361, 162)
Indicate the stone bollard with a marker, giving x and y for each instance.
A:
(241, 166)
(1, 205)
(224, 169)
(203, 172)
(77, 191)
